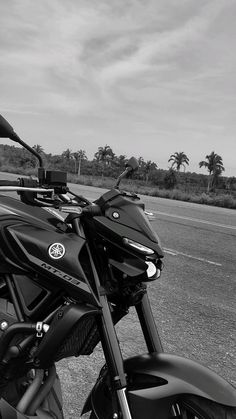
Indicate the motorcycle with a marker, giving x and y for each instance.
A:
(70, 269)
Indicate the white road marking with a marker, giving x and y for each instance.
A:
(170, 252)
(195, 219)
(177, 253)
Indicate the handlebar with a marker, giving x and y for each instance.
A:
(21, 181)
(23, 189)
(4, 182)
(24, 185)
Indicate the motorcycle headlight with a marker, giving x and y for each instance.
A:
(138, 246)
(152, 271)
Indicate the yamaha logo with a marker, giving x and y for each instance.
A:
(56, 251)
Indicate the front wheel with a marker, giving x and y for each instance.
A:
(198, 408)
(189, 407)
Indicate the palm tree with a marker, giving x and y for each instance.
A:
(104, 155)
(121, 160)
(179, 159)
(38, 148)
(141, 165)
(79, 156)
(67, 154)
(214, 165)
(149, 167)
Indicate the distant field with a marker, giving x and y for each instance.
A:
(217, 199)
(180, 193)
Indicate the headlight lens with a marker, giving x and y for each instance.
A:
(138, 246)
(152, 271)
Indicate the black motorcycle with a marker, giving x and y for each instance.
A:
(69, 272)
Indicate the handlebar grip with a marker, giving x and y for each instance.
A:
(5, 182)
(92, 210)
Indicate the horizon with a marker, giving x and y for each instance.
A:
(185, 169)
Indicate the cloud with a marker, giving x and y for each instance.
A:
(122, 68)
(163, 45)
(74, 52)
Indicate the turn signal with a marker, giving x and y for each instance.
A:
(138, 246)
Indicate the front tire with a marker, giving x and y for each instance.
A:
(193, 407)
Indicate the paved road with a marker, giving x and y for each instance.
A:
(193, 301)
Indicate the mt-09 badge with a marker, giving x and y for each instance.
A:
(56, 251)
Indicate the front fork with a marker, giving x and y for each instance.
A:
(110, 343)
(148, 325)
(112, 350)
(114, 359)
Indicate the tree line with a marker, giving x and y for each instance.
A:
(107, 163)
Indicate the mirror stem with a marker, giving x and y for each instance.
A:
(17, 139)
(127, 170)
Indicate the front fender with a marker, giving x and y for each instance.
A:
(155, 377)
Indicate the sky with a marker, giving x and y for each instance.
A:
(147, 77)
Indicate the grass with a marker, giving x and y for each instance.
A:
(225, 200)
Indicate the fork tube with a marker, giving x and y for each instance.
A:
(148, 325)
(109, 338)
(113, 356)
(111, 345)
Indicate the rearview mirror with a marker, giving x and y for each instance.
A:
(131, 166)
(6, 130)
(132, 163)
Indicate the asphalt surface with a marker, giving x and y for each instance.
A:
(194, 301)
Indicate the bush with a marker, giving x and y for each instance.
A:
(170, 179)
(19, 170)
